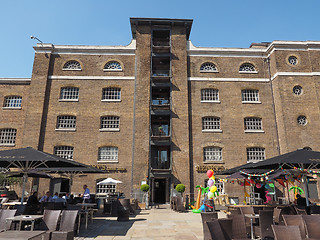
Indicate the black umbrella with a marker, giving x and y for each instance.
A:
(26, 159)
(32, 173)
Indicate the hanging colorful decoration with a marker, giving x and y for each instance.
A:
(257, 175)
(296, 190)
(307, 170)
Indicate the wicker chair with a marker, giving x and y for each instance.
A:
(264, 229)
(286, 232)
(6, 213)
(235, 211)
(49, 223)
(207, 217)
(300, 211)
(277, 219)
(226, 226)
(247, 210)
(215, 231)
(295, 220)
(312, 225)
(67, 226)
(239, 230)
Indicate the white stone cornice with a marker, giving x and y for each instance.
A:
(228, 79)
(55, 77)
(290, 74)
(15, 80)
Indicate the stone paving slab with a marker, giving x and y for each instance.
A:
(152, 224)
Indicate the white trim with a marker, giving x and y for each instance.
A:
(11, 108)
(250, 102)
(211, 130)
(15, 80)
(7, 144)
(68, 69)
(208, 101)
(212, 71)
(109, 129)
(247, 72)
(295, 74)
(107, 161)
(54, 77)
(228, 79)
(110, 100)
(65, 129)
(68, 100)
(112, 70)
(254, 131)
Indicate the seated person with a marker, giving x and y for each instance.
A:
(301, 201)
(46, 198)
(33, 204)
(60, 199)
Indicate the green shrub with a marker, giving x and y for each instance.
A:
(180, 188)
(145, 187)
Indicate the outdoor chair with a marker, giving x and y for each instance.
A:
(6, 213)
(207, 217)
(226, 227)
(67, 226)
(235, 211)
(277, 219)
(295, 220)
(239, 229)
(81, 213)
(257, 209)
(247, 210)
(214, 231)
(314, 209)
(3, 200)
(282, 232)
(300, 211)
(312, 225)
(20, 209)
(49, 222)
(264, 229)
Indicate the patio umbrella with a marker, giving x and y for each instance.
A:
(26, 159)
(109, 181)
(32, 173)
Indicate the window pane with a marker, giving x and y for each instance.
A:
(249, 95)
(210, 123)
(64, 152)
(255, 154)
(253, 123)
(112, 122)
(108, 154)
(212, 154)
(111, 94)
(66, 122)
(8, 136)
(68, 93)
(13, 102)
(209, 95)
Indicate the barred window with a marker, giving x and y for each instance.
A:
(72, 65)
(112, 66)
(252, 123)
(64, 152)
(110, 122)
(66, 122)
(111, 94)
(247, 67)
(210, 123)
(302, 120)
(209, 95)
(8, 136)
(69, 93)
(297, 90)
(12, 102)
(108, 154)
(255, 154)
(212, 154)
(208, 67)
(250, 95)
(293, 60)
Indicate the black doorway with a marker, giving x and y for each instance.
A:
(159, 191)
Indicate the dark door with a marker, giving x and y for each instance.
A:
(159, 190)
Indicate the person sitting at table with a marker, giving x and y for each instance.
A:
(46, 198)
(301, 201)
(60, 199)
(55, 196)
(86, 194)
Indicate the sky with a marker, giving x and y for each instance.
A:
(223, 23)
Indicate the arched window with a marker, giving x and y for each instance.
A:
(12, 102)
(247, 67)
(64, 152)
(212, 154)
(108, 153)
(72, 65)
(208, 67)
(112, 66)
(8, 136)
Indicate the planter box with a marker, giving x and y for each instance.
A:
(142, 205)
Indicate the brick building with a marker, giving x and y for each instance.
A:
(163, 111)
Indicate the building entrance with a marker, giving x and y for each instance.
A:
(159, 191)
(60, 185)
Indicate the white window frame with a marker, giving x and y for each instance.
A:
(69, 94)
(113, 91)
(255, 154)
(250, 96)
(66, 123)
(211, 124)
(111, 154)
(8, 137)
(111, 68)
(212, 154)
(68, 66)
(253, 125)
(249, 68)
(209, 95)
(208, 67)
(12, 102)
(64, 152)
(109, 123)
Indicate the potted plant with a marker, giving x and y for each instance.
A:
(145, 188)
(181, 188)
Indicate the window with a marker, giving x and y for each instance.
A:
(255, 154)
(8, 136)
(109, 154)
(110, 123)
(209, 95)
(72, 65)
(208, 67)
(12, 102)
(64, 152)
(297, 90)
(247, 68)
(111, 94)
(66, 122)
(292, 60)
(212, 154)
(210, 124)
(252, 124)
(302, 120)
(250, 95)
(112, 66)
(219, 184)
(69, 93)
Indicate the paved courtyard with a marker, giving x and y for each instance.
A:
(162, 223)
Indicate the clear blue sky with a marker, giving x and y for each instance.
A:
(223, 23)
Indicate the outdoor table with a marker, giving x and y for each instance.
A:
(21, 235)
(87, 207)
(12, 204)
(25, 218)
(251, 216)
